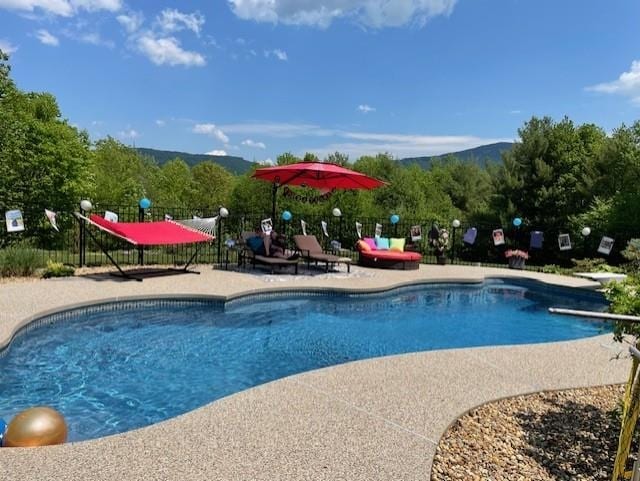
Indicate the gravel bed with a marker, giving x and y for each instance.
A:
(562, 435)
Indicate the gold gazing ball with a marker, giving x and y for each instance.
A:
(39, 426)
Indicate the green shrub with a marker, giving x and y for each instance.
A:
(625, 299)
(552, 269)
(19, 260)
(632, 254)
(590, 265)
(57, 269)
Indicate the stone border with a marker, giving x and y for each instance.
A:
(371, 419)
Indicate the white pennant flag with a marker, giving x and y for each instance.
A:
(110, 216)
(303, 225)
(52, 218)
(359, 230)
(14, 220)
(606, 244)
(324, 228)
(266, 225)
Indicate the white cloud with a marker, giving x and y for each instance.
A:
(93, 5)
(160, 123)
(131, 22)
(627, 84)
(46, 38)
(56, 7)
(515, 112)
(171, 20)
(277, 53)
(64, 8)
(216, 152)
(94, 38)
(167, 51)
(128, 134)
(7, 47)
(365, 109)
(323, 141)
(255, 145)
(275, 129)
(403, 145)
(320, 13)
(212, 131)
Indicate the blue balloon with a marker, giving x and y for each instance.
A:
(3, 429)
(286, 215)
(144, 203)
(517, 221)
(395, 218)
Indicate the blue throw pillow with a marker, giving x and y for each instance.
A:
(382, 243)
(256, 244)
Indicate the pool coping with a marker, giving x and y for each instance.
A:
(336, 393)
(28, 322)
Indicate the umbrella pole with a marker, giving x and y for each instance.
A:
(274, 190)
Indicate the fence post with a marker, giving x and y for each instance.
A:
(85, 207)
(140, 249)
(81, 243)
(455, 224)
(220, 242)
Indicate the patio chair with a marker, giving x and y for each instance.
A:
(247, 254)
(311, 250)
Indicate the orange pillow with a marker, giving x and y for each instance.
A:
(363, 246)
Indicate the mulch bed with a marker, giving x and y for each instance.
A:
(562, 435)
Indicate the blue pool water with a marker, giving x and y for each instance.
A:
(111, 371)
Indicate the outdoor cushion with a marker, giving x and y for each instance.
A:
(363, 246)
(371, 242)
(256, 244)
(392, 255)
(382, 243)
(396, 244)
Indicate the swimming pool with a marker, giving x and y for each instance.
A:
(117, 367)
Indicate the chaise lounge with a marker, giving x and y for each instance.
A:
(311, 250)
(386, 253)
(256, 252)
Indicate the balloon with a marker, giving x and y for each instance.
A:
(39, 426)
(3, 428)
(144, 203)
(286, 215)
(517, 221)
(395, 218)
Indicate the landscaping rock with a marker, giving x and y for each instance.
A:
(563, 435)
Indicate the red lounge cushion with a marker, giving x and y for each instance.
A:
(392, 255)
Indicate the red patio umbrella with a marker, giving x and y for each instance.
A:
(319, 175)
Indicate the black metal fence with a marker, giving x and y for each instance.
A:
(70, 246)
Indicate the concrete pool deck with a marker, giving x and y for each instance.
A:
(373, 419)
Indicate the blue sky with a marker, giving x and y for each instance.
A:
(256, 78)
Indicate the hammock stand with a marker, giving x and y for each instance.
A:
(142, 234)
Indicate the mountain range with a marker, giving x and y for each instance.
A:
(237, 165)
(482, 155)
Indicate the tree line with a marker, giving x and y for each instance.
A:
(558, 175)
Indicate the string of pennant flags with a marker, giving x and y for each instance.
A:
(470, 236)
(15, 223)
